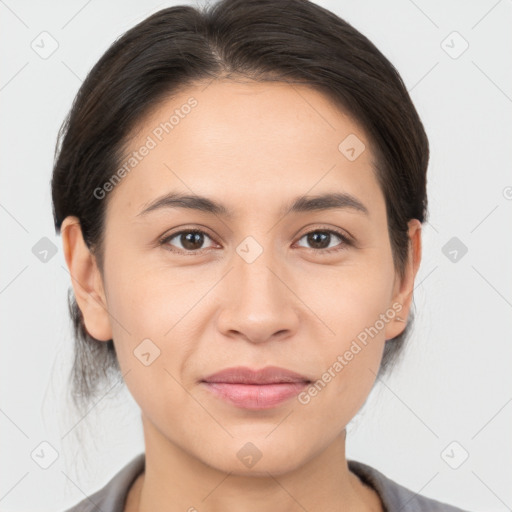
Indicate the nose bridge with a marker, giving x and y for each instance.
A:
(259, 303)
(253, 264)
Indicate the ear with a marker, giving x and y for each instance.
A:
(86, 280)
(403, 289)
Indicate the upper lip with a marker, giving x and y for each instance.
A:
(245, 375)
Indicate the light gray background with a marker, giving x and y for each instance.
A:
(454, 383)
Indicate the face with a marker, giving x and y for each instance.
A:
(191, 291)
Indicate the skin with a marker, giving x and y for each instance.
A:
(254, 147)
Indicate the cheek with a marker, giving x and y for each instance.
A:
(351, 298)
(349, 365)
(156, 316)
(355, 306)
(148, 301)
(148, 320)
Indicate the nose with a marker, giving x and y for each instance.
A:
(258, 300)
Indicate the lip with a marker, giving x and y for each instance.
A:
(256, 389)
(245, 375)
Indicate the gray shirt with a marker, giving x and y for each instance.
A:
(395, 498)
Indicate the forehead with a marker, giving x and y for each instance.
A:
(245, 143)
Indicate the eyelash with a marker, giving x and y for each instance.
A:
(344, 239)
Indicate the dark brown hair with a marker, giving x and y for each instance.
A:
(293, 41)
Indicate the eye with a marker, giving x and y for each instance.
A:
(189, 240)
(321, 240)
(192, 241)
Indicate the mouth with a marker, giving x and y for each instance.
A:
(256, 389)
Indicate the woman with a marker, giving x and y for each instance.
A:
(240, 193)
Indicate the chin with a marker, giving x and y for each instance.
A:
(258, 457)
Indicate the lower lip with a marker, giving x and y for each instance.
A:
(256, 396)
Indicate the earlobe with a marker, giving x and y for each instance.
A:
(403, 295)
(86, 280)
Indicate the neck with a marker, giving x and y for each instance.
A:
(175, 480)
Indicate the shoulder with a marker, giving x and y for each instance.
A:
(394, 496)
(112, 496)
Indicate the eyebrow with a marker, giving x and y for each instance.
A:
(321, 202)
